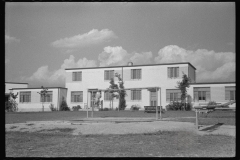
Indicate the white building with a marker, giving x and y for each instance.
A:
(83, 82)
(29, 99)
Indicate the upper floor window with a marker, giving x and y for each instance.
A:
(77, 76)
(173, 72)
(25, 96)
(77, 96)
(173, 95)
(47, 97)
(230, 93)
(201, 94)
(108, 74)
(136, 95)
(136, 73)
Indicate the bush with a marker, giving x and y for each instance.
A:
(105, 109)
(51, 106)
(11, 106)
(76, 108)
(135, 107)
(212, 103)
(64, 106)
(174, 106)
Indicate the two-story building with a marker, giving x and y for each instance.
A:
(83, 84)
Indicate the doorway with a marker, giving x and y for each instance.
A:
(92, 100)
(153, 98)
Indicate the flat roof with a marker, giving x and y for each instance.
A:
(133, 66)
(38, 88)
(16, 83)
(108, 89)
(212, 83)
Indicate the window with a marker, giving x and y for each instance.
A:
(136, 95)
(47, 97)
(201, 94)
(136, 73)
(25, 96)
(230, 93)
(77, 96)
(173, 95)
(173, 72)
(107, 96)
(77, 76)
(108, 74)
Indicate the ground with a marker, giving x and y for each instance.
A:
(120, 136)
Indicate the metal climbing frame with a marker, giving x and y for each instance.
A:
(156, 88)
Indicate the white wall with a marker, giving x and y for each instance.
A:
(35, 104)
(152, 76)
(217, 92)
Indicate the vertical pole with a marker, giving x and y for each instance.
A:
(118, 100)
(196, 118)
(92, 103)
(87, 103)
(156, 106)
(160, 104)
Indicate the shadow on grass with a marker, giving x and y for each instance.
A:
(212, 128)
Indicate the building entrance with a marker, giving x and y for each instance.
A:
(153, 98)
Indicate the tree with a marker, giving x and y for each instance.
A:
(113, 86)
(122, 93)
(64, 106)
(43, 95)
(11, 104)
(183, 85)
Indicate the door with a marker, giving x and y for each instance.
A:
(93, 94)
(153, 98)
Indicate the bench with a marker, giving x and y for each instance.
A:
(152, 109)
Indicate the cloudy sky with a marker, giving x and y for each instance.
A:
(42, 39)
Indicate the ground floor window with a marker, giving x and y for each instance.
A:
(25, 96)
(201, 94)
(107, 96)
(173, 95)
(47, 97)
(230, 93)
(77, 96)
(136, 94)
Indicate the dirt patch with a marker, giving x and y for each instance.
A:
(123, 126)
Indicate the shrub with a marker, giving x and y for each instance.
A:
(105, 109)
(51, 106)
(135, 107)
(76, 108)
(11, 106)
(212, 103)
(174, 106)
(64, 106)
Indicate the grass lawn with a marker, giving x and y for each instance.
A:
(225, 117)
(163, 144)
(60, 143)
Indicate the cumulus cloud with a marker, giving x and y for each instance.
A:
(57, 77)
(211, 66)
(9, 39)
(92, 37)
(115, 56)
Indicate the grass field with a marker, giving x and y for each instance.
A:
(60, 143)
(225, 117)
(160, 144)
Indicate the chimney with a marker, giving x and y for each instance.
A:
(130, 63)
